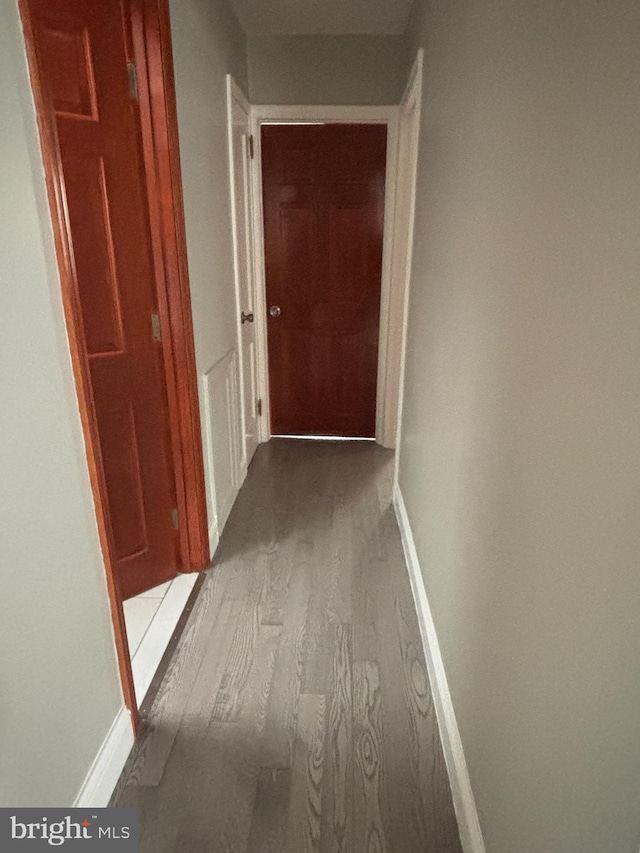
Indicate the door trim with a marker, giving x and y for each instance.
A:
(160, 142)
(279, 114)
(409, 136)
(235, 93)
(159, 121)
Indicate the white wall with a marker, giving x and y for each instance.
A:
(59, 684)
(327, 69)
(520, 459)
(208, 43)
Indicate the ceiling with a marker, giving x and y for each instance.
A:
(324, 17)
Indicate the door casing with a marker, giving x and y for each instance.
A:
(387, 115)
(408, 144)
(243, 255)
(156, 88)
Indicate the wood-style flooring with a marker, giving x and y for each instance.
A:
(296, 713)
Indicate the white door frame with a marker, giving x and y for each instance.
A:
(235, 94)
(274, 114)
(408, 147)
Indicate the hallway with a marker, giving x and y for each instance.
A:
(295, 714)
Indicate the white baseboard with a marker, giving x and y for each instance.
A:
(214, 538)
(463, 800)
(148, 656)
(106, 769)
(242, 475)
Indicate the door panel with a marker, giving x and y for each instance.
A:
(323, 191)
(94, 254)
(123, 481)
(81, 55)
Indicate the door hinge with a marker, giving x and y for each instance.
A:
(174, 519)
(132, 74)
(250, 146)
(259, 408)
(156, 329)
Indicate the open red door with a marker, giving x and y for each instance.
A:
(89, 93)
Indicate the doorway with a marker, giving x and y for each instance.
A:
(265, 119)
(103, 84)
(323, 200)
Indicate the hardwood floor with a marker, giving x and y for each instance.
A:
(296, 713)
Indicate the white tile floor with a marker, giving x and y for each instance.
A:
(151, 618)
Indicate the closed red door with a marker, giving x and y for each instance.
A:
(323, 190)
(81, 56)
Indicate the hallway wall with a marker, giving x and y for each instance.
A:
(59, 685)
(318, 69)
(520, 457)
(208, 43)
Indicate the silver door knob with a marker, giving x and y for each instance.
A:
(275, 311)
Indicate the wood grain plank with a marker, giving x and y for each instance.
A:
(268, 833)
(275, 588)
(220, 763)
(238, 667)
(370, 835)
(282, 712)
(337, 830)
(305, 807)
(330, 569)
(320, 635)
